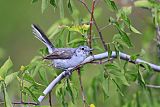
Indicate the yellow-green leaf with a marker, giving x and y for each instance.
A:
(143, 3)
(82, 29)
(9, 78)
(6, 66)
(6, 98)
(134, 30)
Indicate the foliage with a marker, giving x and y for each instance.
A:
(129, 81)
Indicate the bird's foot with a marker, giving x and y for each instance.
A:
(68, 73)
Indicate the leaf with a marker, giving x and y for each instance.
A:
(116, 74)
(61, 8)
(134, 30)
(82, 29)
(6, 97)
(26, 89)
(109, 51)
(28, 78)
(140, 77)
(111, 4)
(9, 78)
(44, 5)
(127, 10)
(53, 3)
(120, 42)
(75, 41)
(34, 1)
(105, 87)
(69, 88)
(125, 39)
(43, 76)
(118, 87)
(70, 6)
(5, 68)
(147, 67)
(143, 3)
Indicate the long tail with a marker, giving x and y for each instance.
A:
(39, 34)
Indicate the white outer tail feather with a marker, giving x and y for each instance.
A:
(42, 37)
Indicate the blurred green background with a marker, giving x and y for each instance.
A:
(16, 38)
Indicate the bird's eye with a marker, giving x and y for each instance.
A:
(82, 48)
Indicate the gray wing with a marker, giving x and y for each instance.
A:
(61, 54)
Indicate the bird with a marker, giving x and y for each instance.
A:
(62, 58)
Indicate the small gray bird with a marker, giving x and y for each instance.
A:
(62, 58)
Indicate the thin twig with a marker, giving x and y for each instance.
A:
(96, 25)
(50, 99)
(82, 90)
(91, 21)
(23, 103)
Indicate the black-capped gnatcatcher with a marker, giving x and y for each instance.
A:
(62, 58)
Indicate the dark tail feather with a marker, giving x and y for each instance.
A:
(39, 34)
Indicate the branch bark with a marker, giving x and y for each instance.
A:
(89, 59)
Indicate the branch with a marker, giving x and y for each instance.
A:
(153, 86)
(23, 103)
(89, 59)
(96, 25)
(91, 21)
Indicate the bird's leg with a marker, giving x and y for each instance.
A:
(68, 72)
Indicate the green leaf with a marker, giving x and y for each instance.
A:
(75, 41)
(26, 89)
(116, 74)
(134, 30)
(127, 10)
(125, 38)
(140, 77)
(143, 3)
(111, 4)
(53, 3)
(82, 29)
(61, 8)
(147, 67)
(5, 68)
(33, 1)
(69, 88)
(109, 51)
(119, 42)
(70, 6)
(28, 78)
(6, 97)
(43, 76)
(105, 87)
(44, 5)
(118, 87)
(134, 57)
(9, 78)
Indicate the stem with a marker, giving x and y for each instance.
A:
(82, 90)
(96, 25)
(91, 21)
(50, 99)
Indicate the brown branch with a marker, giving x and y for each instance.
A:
(50, 99)
(96, 25)
(91, 21)
(82, 90)
(23, 103)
